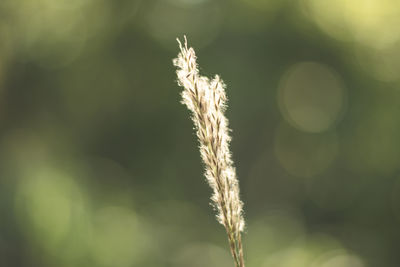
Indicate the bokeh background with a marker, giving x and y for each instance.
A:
(98, 159)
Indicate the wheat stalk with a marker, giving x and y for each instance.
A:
(207, 102)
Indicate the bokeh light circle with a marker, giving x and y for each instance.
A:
(303, 154)
(339, 259)
(372, 146)
(202, 254)
(382, 64)
(51, 208)
(305, 252)
(343, 260)
(311, 97)
(369, 22)
(118, 239)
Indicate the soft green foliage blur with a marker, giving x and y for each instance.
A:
(99, 163)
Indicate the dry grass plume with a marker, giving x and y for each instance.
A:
(207, 102)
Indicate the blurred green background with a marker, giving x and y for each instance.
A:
(98, 159)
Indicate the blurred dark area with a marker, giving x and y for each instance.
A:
(99, 164)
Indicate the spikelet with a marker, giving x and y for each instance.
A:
(207, 102)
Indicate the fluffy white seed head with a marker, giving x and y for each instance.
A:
(207, 102)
